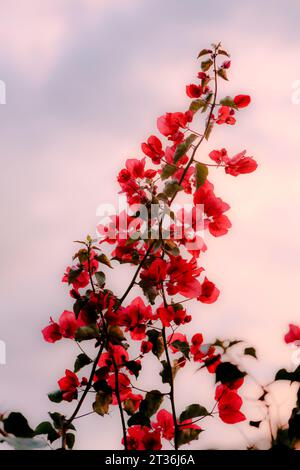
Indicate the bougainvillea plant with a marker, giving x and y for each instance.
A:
(165, 252)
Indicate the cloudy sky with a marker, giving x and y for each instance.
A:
(85, 81)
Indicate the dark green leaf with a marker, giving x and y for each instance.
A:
(255, 424)
(167, 171)
(17, 425)
(140, 419)
(151, 403)
(250, 352)
(222, 52)
(55, 396)
(208, 130)
(100, 278)
(183, 347)
(193, 411)
(104, 260)
(187, 435)
(46, 428)
(228, 101)
(70, 440)
(182, 148)
(134, 367)
(102, 402)
(201, 172)
(206, 64)
(82, 360)
(283, 374)
(156, 340)
(171, 188)
(196, 105)
(222, 73)
(84, 333)
(227, 372)
(168, 373)
(57, 419)
(204, 52)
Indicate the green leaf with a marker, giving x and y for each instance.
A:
(166, 372)
(182, 148)
(206, 64)
(201, 172)
(70, 440)
(193, 411)
(203, 52)
(134, 367)
(84, 333)
(104, 260)
(101, 405)
(73, 274)
(254, 424)
(207, 101)
(171, 188)
(46, 428)
(151, 403)
(17, 425)
(55, 396)
(183, 347)
(196, 105)
(57, 419)
(171, 247)
(208, 130)
(283, 374)
(156, 340)
(227, 372)
(250, 352)
(82, 360)
(222, 73)
(100, 278)
(187, 435)
(140, 419)
(228, 101)
(222, 52)
(167, 171)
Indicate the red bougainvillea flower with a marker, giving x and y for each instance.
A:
(124, 386)
(225, 116)
(219, 156)
(146, 347)
(241, 101)
(293, 334)
(176, 337)
(68, 385)
(142, 438)
(182, 277)
(76, 276)
(165, 424)
(52, 332)
(240, 164)
(172, 314)
(134, 318)
(214, 208)
(229, 404)
(66, 327)
(119, 354)
(153, 149)
(194, 91)
(169, 124)
(132, 402)
(209, 292)
(68, 324)
(156, 273)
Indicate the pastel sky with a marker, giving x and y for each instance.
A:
(85, 82)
